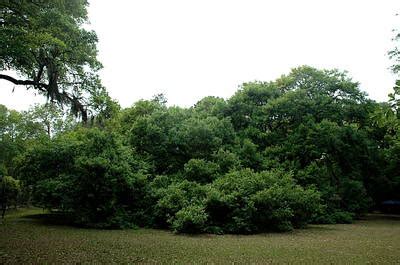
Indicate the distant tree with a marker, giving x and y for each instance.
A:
(45, 43)
(51, 118)
(17, 132)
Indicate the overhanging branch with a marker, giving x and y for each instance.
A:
(76, 105)
(36, 84)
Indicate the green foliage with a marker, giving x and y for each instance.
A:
(175, 197)
(200, 171)
(10, 190)
(170, 137)
(17, 131)
(191, 219)
(386, 132)
(50, 118)
(93, 176)
(239, 202)
(308, 147)
(226, 160)
(211, 106)
(336, 217)
(199, 138)
(249, 155)
(265, 201)
(53, 193)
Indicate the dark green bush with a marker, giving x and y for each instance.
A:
(94, 178)
(268, 200)
(239, 202)
(335, 217)
(341, 217)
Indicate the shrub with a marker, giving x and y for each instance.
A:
(191, 219)
(342, 217)
(176, 197)
(272, 210)
(334, 217)
(251, 202)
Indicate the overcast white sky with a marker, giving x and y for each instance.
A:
(192, 49)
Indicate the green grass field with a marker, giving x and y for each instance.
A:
(28, 238)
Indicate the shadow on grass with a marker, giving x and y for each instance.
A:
(381, 216)
(266, 233)
(320, 227)
(60, 219)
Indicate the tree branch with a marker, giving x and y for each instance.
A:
(38, 85)
(76, 105)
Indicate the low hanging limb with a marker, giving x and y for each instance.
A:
(77, 106)
(42, 87)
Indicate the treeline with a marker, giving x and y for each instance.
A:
(309, 147)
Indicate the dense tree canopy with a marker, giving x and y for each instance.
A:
(307, 147)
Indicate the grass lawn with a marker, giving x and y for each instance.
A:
(26, 238)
